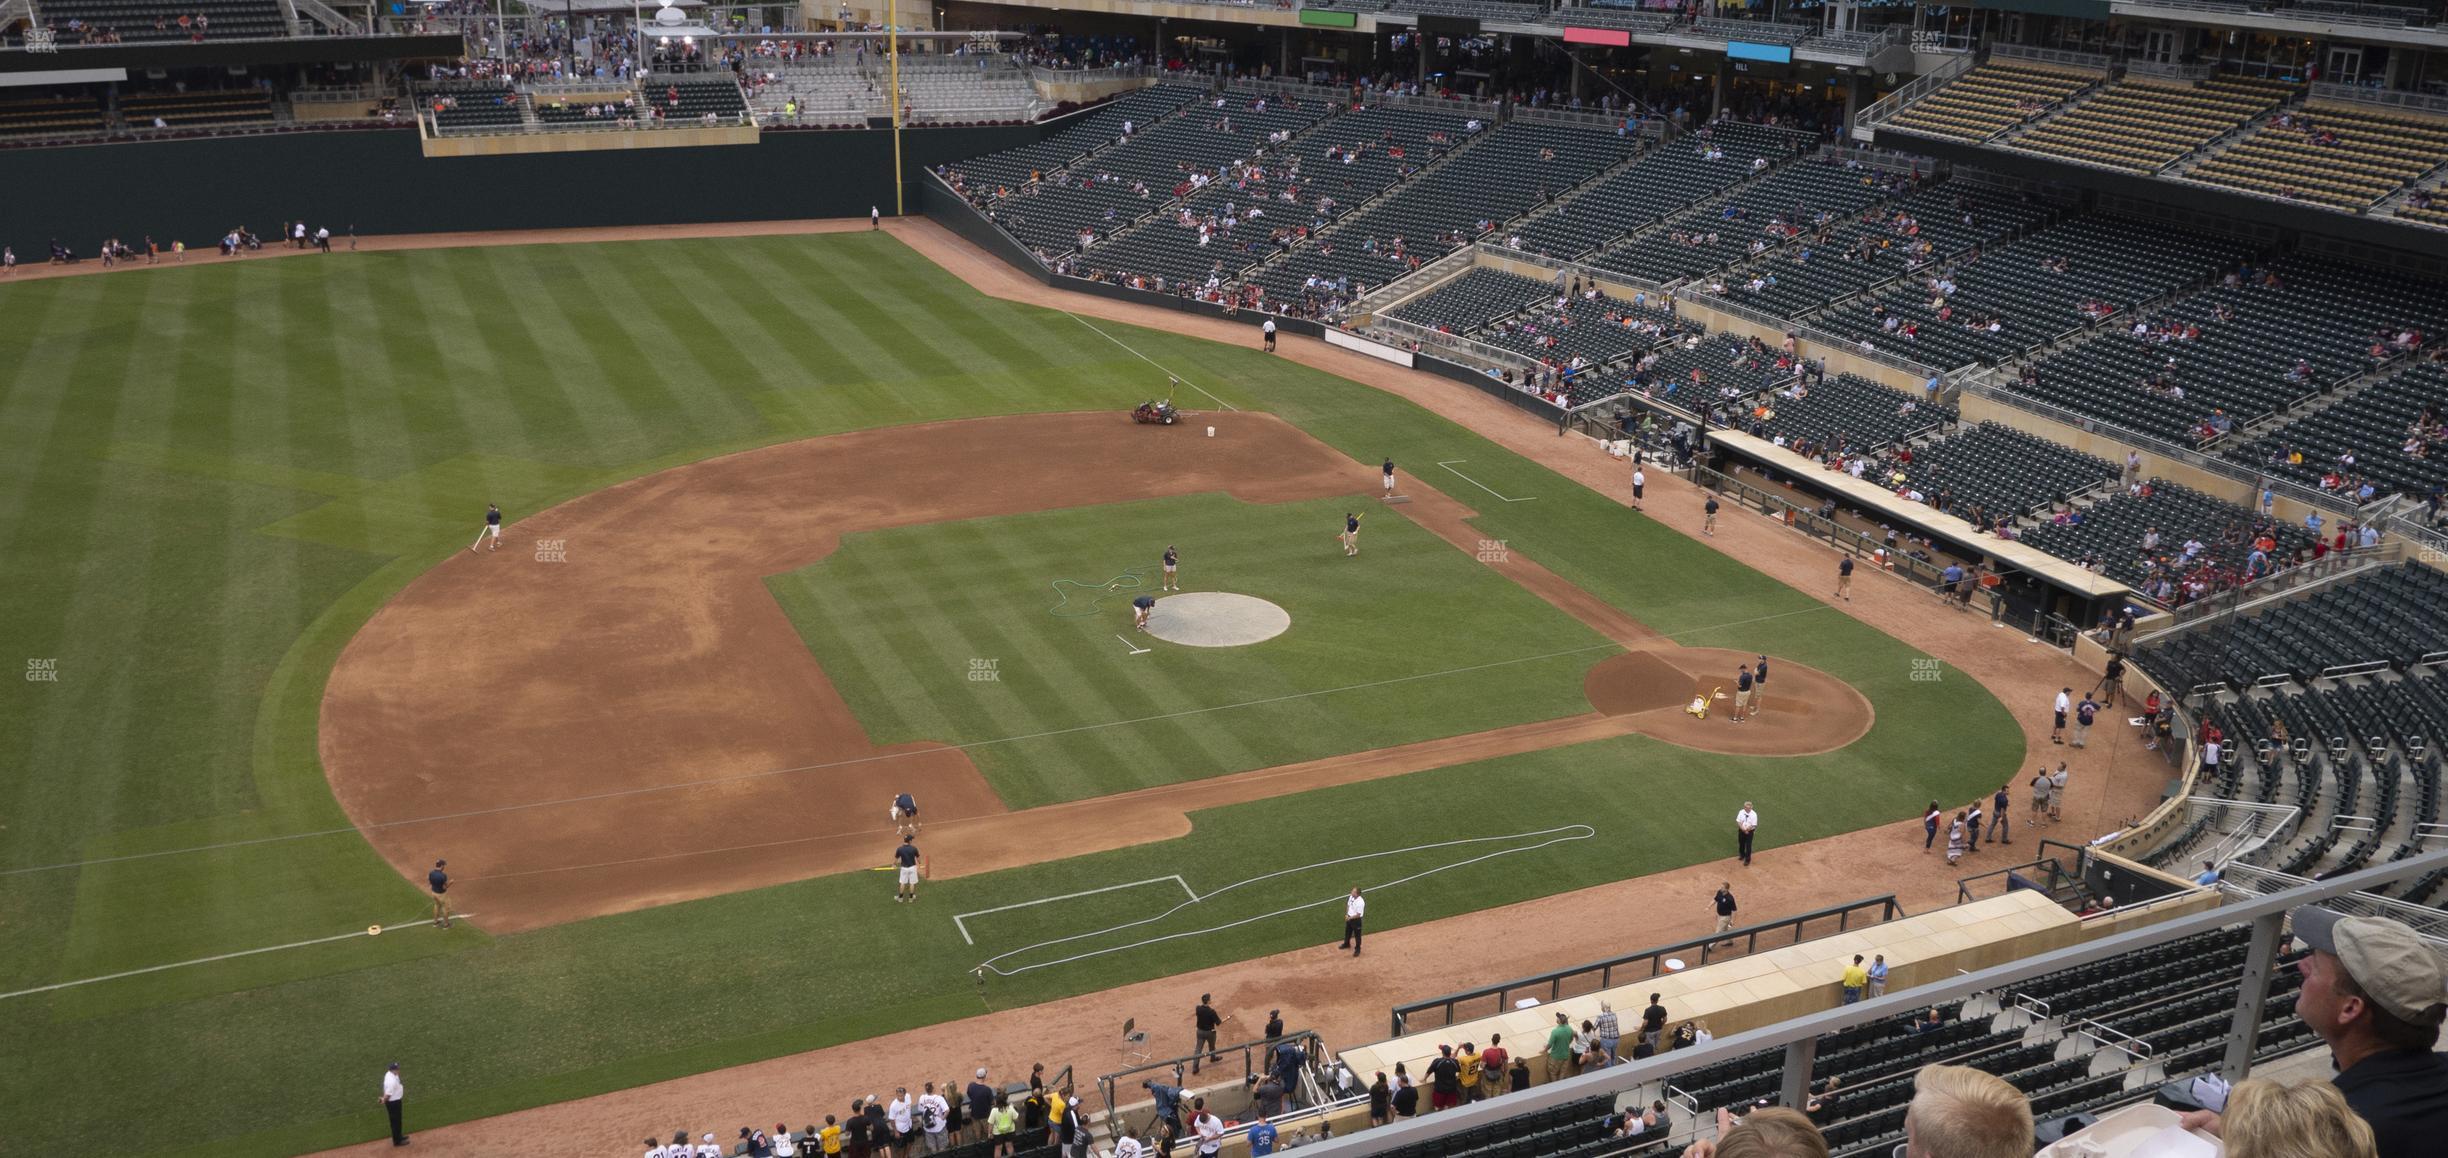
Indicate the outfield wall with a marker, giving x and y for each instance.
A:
(380, 182)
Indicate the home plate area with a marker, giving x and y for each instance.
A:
(1216, 619)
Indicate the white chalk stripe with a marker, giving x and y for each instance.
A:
(210, 960)
(959, 921)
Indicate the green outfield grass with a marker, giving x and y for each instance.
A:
(896, 617)
(210, 476)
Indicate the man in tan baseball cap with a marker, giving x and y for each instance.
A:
(2376, 992)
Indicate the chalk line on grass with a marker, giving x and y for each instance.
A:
(1562, 835)
(960, 920)
(367, 932)
(1448, 465)
(1150, 361)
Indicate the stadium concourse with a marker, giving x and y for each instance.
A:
(1343, 998)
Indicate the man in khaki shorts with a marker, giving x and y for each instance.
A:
(1742, 694)
(2040, 792)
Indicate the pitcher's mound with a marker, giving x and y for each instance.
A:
(1216, 619)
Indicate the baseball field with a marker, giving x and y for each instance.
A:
(794, 524)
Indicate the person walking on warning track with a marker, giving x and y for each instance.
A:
(439, 882)
(1708, 518)
(1204, 1021)
(905, 814)
(1844, 578)
(492, 528)
(1640, 482)
(875, 217)
(1389, 476)
(1725, 909)
(1269, 330)
(1354, 907)
(1172, 569)
(1140, 608)
(1746, 823)
(1351, 533)
(908, 858)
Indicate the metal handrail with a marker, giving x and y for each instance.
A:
(1552, 984)
(2065, 56)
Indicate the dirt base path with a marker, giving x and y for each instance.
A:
(1344, 998)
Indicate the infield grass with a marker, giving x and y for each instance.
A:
(898, 619)
(211, 475)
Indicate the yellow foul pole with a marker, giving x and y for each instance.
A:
(892, 49)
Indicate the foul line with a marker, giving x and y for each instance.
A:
(958, 919)
(1577, 831)
(876, 758)
(202, 961)
(1448, 464)
(1150, 361)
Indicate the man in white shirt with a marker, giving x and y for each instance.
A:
(1210, 1130)
(898, 1115)
(394, 1097)
(1746, 822)
(933, 1112)
(1128, 1147)
(2065, 703)
(1354, 907)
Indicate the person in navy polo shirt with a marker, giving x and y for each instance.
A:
(492, 528)
(439, 882)
(908, 858)
(905, 814)
(1172, 569)
(1140, 608)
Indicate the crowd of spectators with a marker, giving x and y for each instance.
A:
(997, 1122)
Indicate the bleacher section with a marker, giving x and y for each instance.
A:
(693, 98)
(2373, 425)
(1990, 99)
(846, 90)
(1800, 196)
(1080, 134)
(1214, 230)
(2398, 615)
(1848, 414)
(2176, 997)
(1479, 297)
(1511, 170)
(477, 109)
(2111, 532)
(1591, 334)
(1754, 31)
(1160, 158)
(1664, 181)
(2359, 750)
(1933, 224)
(2243, 359)
(2141, 125)
(2331, 154)
(2117, 260)
(1993, 470)
(35, 116)
(136, 21)
(237, 106)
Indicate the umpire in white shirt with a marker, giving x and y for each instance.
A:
(1354, 907)
(394, 1095)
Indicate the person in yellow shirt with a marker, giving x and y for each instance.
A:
(1003, 1125)
(1472, 1065)
(1856, 979)
(830, 1137)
